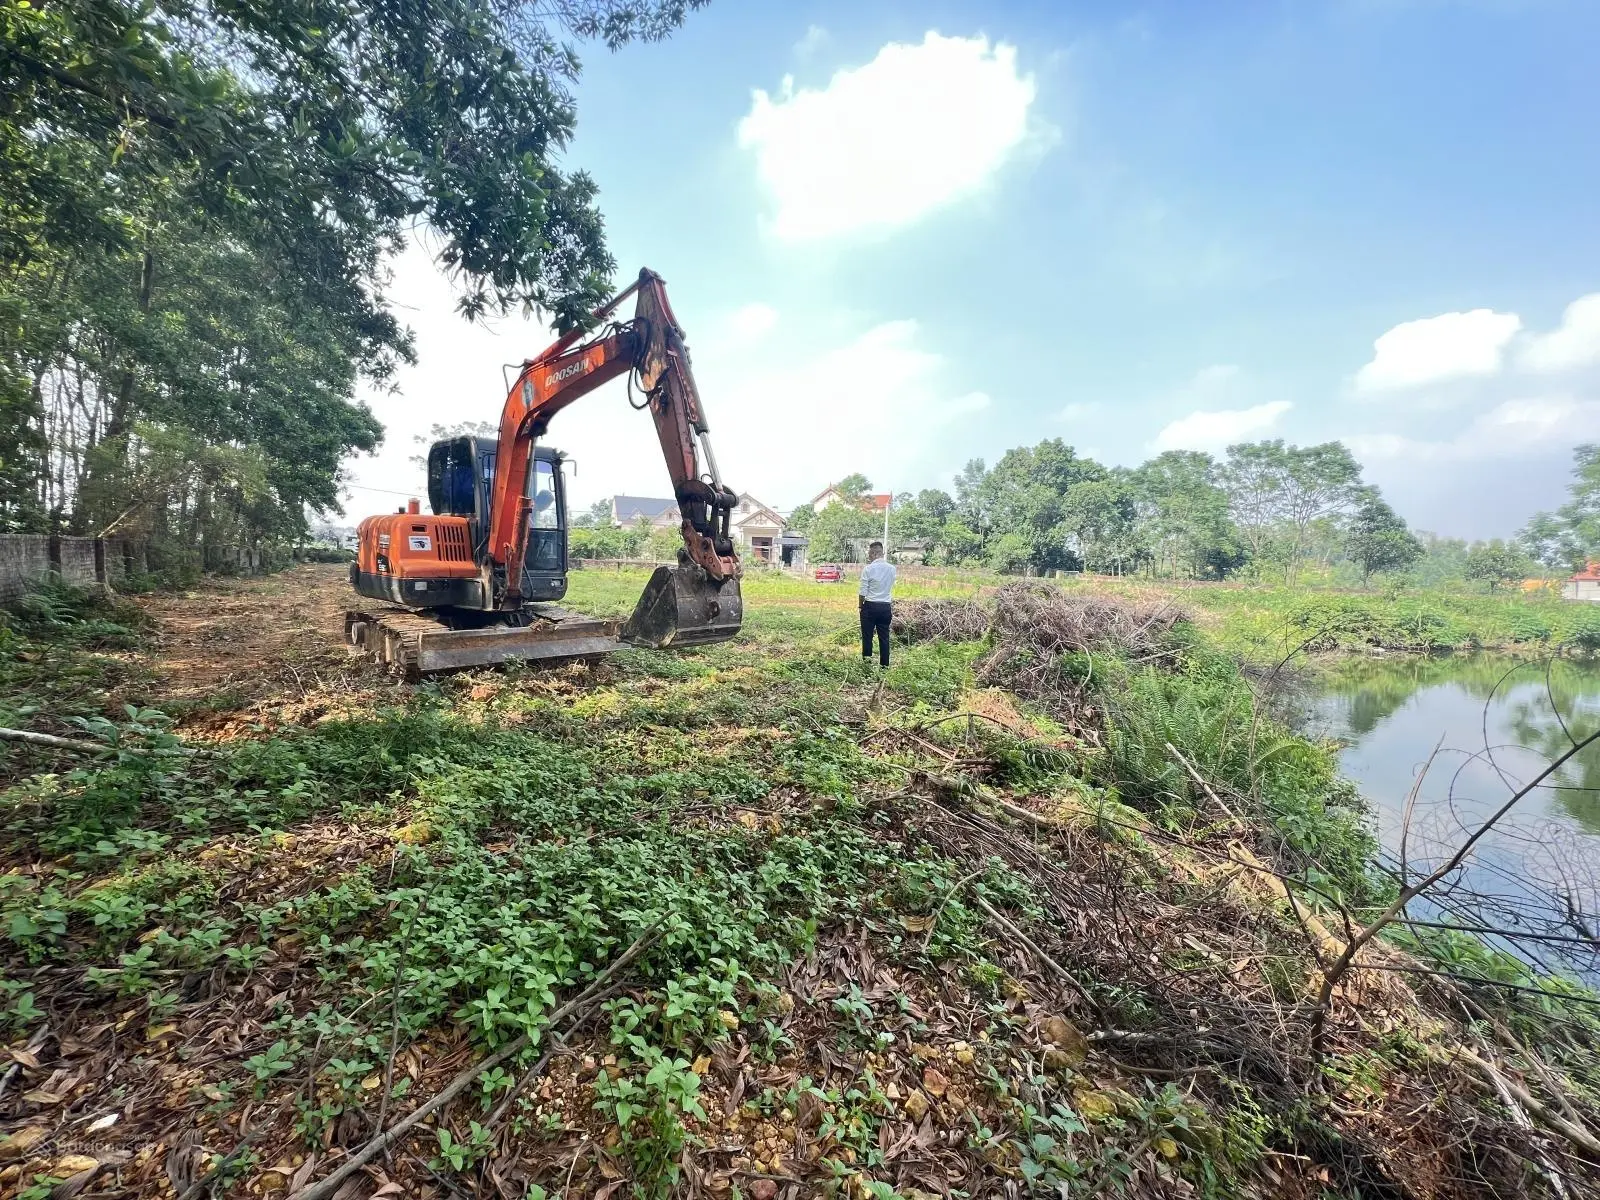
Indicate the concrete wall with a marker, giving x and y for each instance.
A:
(27, 559)
(23, 560)
(75, 561)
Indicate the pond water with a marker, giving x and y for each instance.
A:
(1490, 724)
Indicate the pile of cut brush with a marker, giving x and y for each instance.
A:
(941, 620)
(1042, 639)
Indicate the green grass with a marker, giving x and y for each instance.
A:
(59, 653)
(436, 871)
(1258, 622)
(1264, 622)
(780, 610)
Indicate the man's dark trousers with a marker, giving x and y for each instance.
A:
(875, 615)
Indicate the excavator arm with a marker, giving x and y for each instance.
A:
(651, 345)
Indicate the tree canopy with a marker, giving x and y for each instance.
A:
(197, 202)
(1570, 536)
(1277, 492)
(1378, 539)
(1496, 562)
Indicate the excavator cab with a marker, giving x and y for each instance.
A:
(680, 606)
(461, 483)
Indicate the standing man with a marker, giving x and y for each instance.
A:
(877, 591)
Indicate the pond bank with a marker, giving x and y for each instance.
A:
(1266, 624)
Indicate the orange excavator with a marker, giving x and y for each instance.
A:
(475, 581)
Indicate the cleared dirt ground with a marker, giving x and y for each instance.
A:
(250, 650)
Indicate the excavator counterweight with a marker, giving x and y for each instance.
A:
(474, 582)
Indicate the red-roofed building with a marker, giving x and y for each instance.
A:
(872, 502)
(1585, 585)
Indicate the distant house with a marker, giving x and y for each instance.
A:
(872, 502)
(758, 528)
(661, 514)
(1585, 585)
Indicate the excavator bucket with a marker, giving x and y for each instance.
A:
(683, 606)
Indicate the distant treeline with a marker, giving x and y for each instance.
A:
(1264, 510)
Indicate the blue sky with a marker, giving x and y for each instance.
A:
(902, 236)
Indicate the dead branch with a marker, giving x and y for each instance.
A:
(927, 939)
(1010, 927)
(28, 737)
(384, 1137)
(1495, 1079)
(1409, 892)
(1520, 1118)
(1204, 786)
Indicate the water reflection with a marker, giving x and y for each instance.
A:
(1489, 724)
(1391, 712)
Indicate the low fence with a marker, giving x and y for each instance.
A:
(27, 559)
(617, 564)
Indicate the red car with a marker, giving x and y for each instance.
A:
(828, 573)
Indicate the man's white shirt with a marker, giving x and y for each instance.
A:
(877, 581)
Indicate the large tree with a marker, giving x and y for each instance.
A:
(1025, 495)
(197, 201)
(1377, 539)
(853, 487)
(920, 517)
(1100, 517)
(1496, 562)
(972, 504)
(1570, 536)
(1185, 515)
(835, 527)
(1276, 492)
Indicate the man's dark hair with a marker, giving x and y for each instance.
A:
(875, 546)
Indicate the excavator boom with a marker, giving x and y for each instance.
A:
(698, 600)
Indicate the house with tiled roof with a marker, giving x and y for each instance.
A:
(627, 511)
(1585, 585)
(872, 502)
(758, 528)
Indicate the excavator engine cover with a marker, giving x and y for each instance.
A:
(683, 606)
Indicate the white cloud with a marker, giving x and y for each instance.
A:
(1217, 430)
(1512, 429)
(887, 143)
(1574, 343)
(1077, 410)
(1435, 349)
(753, 320)
(787, 414)
(876, 401)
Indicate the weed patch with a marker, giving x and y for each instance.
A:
(868, 977)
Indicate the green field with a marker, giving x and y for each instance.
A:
(1250, 620)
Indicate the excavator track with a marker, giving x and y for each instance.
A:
(413, 645)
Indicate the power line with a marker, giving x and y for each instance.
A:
(361, 487)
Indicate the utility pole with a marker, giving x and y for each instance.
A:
(886, 509)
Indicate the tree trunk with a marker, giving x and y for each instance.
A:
(120, 419)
